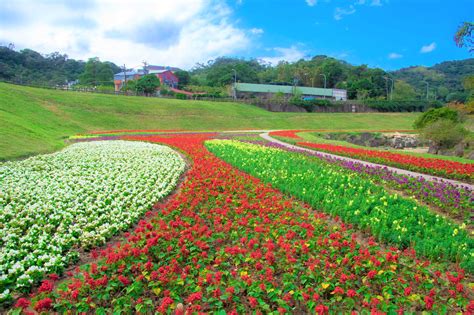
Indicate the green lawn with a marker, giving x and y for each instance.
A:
(36, 120)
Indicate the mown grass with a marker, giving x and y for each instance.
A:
(36, 120)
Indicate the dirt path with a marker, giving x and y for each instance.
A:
(267, 137)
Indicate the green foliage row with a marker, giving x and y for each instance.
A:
(402, 105)
(357, 200)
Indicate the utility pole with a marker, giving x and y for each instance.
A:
(235, 84)
(324, 76)
(145, 67)
(125, 78)
(387, 89)
(427, 86)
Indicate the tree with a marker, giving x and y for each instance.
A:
(464, 37)
(184, 78)
(97, 73)
(403, 91)
(148, 84)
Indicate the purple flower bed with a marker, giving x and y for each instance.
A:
(454, 199)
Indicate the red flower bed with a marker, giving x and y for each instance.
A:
(227, 241)
(286, 134)
(425, 165)
(131, 131)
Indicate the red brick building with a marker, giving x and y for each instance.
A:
(165, 74)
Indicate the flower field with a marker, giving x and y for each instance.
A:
(228, 242)
(54, 204)
(433, 166)
(444, 168)
(453, 200)
(356, 200)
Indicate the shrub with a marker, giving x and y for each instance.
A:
(402, 105)
(181, 96)
(433, 115)
(460, 97)
(444, 133)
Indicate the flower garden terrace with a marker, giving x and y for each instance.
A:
(427, 165)
(227, 241)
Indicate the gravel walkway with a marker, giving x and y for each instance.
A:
(267, 137)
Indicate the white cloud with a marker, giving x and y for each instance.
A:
(289, 54)
(312, 3)
(339, 13)
(376, 3)
(256, 31)
(394, 56)
(176, 33)
(428, 48)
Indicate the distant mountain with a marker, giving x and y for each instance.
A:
(448, 74)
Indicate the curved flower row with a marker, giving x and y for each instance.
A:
(228, 242)
(357, 200)
(445, 168)
(454, 200)
(78, 197)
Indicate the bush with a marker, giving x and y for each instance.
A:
(181, 96)
(165, 91)
(433, 115)
(444, 133)
(459, 97)
(148, 84)
(402, 105)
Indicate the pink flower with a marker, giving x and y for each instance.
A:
(22, 302)
(338, 290)
(407, 291)
(125, 281)
(321, 309)
(43, 305)
(351, 293)
(372, 274)
(252, 301)
(429, 302)
(46, 286)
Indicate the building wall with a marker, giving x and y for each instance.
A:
(168, 78)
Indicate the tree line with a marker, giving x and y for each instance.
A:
(444, 82)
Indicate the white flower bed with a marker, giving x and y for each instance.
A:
(78, 197)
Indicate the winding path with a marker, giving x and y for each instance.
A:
(267, 137)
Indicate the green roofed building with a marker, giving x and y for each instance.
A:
(245, 90)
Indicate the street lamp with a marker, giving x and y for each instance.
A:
(324, 76)
(235, 84)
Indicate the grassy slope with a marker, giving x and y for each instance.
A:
(36, 120)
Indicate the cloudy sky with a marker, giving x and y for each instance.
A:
(384, 33)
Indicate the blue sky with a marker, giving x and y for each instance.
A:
(385, 33)
(388, 34)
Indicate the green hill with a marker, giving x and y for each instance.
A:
(36, 120)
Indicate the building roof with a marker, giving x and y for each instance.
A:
(152, 67)
(157, 71)
(286, 89)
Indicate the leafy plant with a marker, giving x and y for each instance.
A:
(435, 114)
